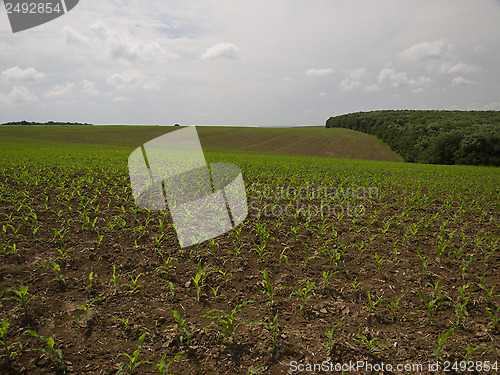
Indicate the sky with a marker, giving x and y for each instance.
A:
(252, 63)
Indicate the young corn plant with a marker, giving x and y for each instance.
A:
(56, 269)
(269, 290)
(330, 344)
(461, 304)
(184, 334)
(226, 323)
(162, 366)
(354, 286)
(21, 296)
(305, 293)
(489, 293)
(55, 355)
(495, 319)
(441, 344)
(274, 331)
(133, 285)
(372, 345)
(469, 357)
(370, 307)
(91, 277)
(114, 280)
(394, 306)
(379, 261)
(133, 360)
(167, 264)
(199, 279)
(431, 303)
(125, 322)
(326, 276)
(9, 353)
(422, 261)
(86, 307)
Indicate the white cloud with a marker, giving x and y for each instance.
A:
(461, 81)
(121, 45)
(394, 78)
(322, 94)
(121, 99)
(89, 88)
(461, 68)
(319, 72)
(221, 51)
(19, 95)
(60, 91)
(439, 57)
(357, 74)
(349, 84)
(428, 50)
(18, 75)
(372, 88)
(131, 80)
(73, 37)
(421, 81)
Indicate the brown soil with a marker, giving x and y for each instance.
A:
(93, 344)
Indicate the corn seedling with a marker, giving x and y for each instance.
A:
(465, 265)
(354, 286)
(422, 260)
(171, 286)
(441, 344)
(431, 303)
(469, 357)
(86, 306)
(372, 304)
(184, 334)
(133, 285)
(495, 319)
(274, 331)
(254, 370)
(199, 279)
(114, 279)
(304, 293)
(56, 268)
(379, 261)
(21, 296)
(125, 322)
(269, 290)
(326, 276)
(226, 323)
(489, 293)
(283, 256)
(260, 250)
(163, 366)
(9, 353)
(372, 345)
(330, 344)
(394, 306)
(63, 254)
(55, 355)
(91, 277)
(134, 358)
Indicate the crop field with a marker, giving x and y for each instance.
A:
(339, 260)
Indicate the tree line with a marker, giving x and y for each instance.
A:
(430, 136)
(43, 123)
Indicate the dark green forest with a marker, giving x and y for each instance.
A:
(429, 136)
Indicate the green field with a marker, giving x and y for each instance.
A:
(401, 267)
